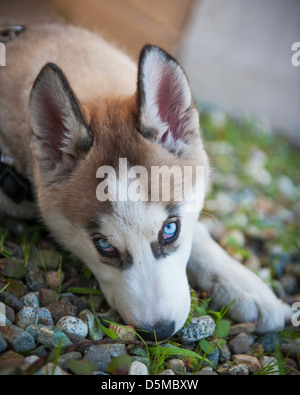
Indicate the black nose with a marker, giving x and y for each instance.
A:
(160, 331)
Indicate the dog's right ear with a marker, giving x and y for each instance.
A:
(60, 131)
(167, 114)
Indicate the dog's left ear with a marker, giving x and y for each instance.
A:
(60, 131)
(167, 114)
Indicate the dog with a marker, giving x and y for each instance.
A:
(71, 104)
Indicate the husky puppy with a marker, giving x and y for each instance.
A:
(75, 114)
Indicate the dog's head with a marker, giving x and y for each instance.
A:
(120, 182)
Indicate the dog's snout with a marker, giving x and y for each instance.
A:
(160, 331)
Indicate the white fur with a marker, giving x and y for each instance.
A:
(150, 290)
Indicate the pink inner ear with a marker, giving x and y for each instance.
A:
(170, 102)
(51, 122)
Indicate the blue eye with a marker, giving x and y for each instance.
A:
(105, 247)
(169, 231)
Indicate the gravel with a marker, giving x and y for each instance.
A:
(43, 320)
(46, 315)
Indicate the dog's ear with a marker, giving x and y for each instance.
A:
(167, 114)
(60, 131)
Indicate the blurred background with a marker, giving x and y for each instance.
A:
(237, 53)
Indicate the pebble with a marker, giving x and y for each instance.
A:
(124, 332)
(63, 359)
(289, 283)
(269, 341)
(10, 314)
(48, 336)
(27, 316)
(286, 186)
(239, 344)
(17, 339)
(55, 278)
(177, 365)
(279, 261)
(213, 358)
(98, 356)
(272, 363)
(28, 361)
(137, 350)
(167, 372)
(255, 167)
(246, 327)
(47, 296)
(256, 350)
(238, 370)
(199, 328)
(3, 344)
(30, 300)
(114, 350)
(138, 368)
(223, 368)
(59, 310)
(35, 278)
(69, 324)
(225, 353)
(51, 370)
(292, 350)
(10, 363)
(252, 362)
(204, 372)
(110, 315)
(237, 235)
(94, 330)
(11, 301)
(3, 315)
(45, 317)
(143, 360)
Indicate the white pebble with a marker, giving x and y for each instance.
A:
(138, 368)
(72, 325)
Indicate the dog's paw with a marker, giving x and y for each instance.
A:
(264, 309)
(254, 300)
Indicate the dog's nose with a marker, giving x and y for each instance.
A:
(160, 331)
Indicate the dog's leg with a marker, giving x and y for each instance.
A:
(212, 270)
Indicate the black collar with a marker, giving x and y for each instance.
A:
(13, 184)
